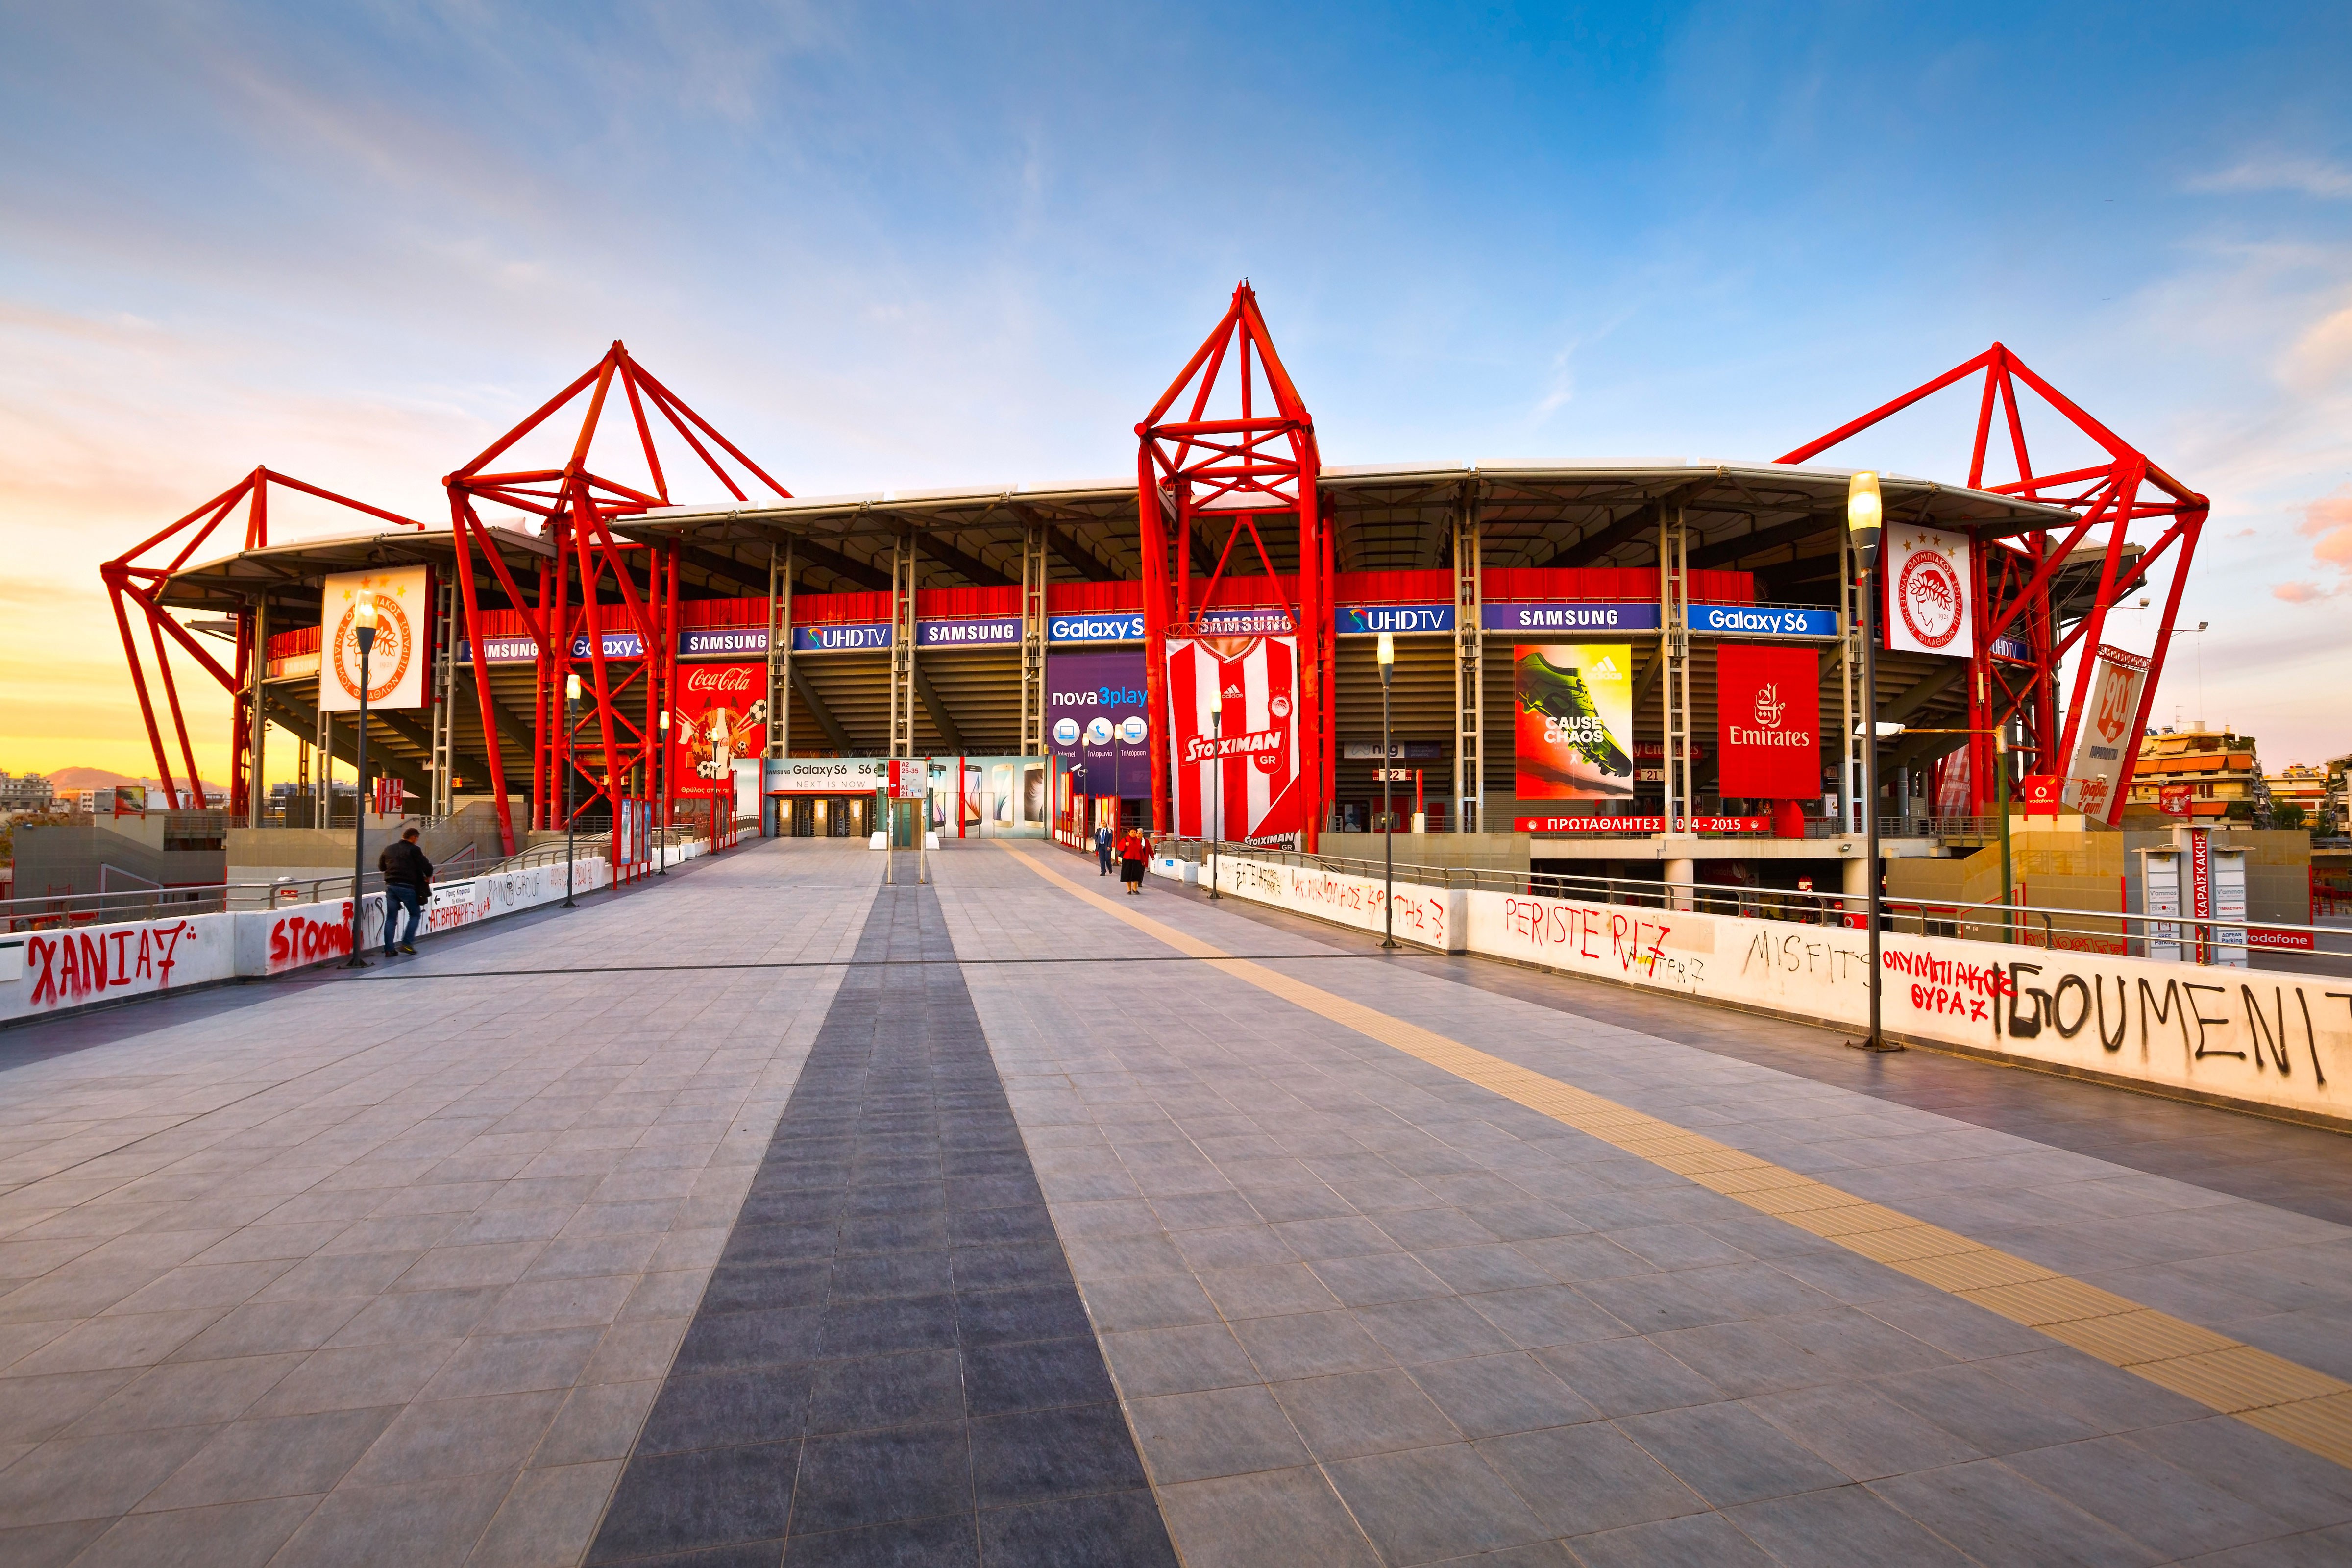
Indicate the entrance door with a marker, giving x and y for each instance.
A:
(804, 817)
(906, 820)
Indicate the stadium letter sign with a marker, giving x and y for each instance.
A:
(1575, 727)
(1768, 721)
(1257, 753)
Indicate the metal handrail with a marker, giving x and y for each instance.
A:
(1812, 908)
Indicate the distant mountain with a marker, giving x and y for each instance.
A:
(66, 779)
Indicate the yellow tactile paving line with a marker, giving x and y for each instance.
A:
(2309, 1409)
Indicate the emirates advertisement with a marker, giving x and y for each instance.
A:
(1767, 722)
(1257, 753)
(1574, 734)
(1927, 594)
(2109, 733)
(721, 715)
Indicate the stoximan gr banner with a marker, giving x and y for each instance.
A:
(1575, 731)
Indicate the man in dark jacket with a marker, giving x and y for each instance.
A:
(1103, 842)
(407, 883)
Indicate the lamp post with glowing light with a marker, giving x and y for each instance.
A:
(662, 782)
(570, 768)
(1217, 774)
(363, 633)
(1864, 525)
(1388, 814)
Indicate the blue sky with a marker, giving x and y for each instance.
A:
(889, 246)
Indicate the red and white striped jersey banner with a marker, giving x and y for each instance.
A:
(1259, 678)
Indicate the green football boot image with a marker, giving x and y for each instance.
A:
(1561, 696)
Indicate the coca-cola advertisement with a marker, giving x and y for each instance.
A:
(720, 715)
(1767, 722)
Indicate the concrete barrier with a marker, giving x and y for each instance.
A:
(46, 972)
(2273, 1042)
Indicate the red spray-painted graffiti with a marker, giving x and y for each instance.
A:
(306, 939)
(1630, 939)
(73, 967)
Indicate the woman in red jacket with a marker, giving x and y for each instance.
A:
(1132, 853)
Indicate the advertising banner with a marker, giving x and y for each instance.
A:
(1575, 727)
(2108, 736)
(1115, 626)
(826, 776)
(721, 714)
(1752, 621)
(1370, 620)
(1638, 615)
(1257, 753)
(1767, 722)
(1096, 718)
(1927, 574)
(992, 631)
(403, 612)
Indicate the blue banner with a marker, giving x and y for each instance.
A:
(841, 638)
(1641, 615)
(706, 642)
(1762, 621)
(1361, 620)
(1110, 625)
(995, 631)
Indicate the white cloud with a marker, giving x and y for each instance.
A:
(2311, 176)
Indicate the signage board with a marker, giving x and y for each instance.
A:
(988, 631)
(826, 776)
(1245, 621)
(712, 642)
(1410, 751)
(1637, 616)
(1929, 602)
(2109, 732)
(1256, 757)
(1575, 725)
(2173, 799)
(396, 665)
(1639, 824)
(848, 637)
(1369, 620)
(1112, 626)
(2039, 794)
(1767, 722)
(719, 714)
(1098, 718)
(1763, 621)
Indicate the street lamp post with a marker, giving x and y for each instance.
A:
(570, 738)
(363, 631)
(1865, 522)
(1217, 777)
(662, 783)
(1387, 811)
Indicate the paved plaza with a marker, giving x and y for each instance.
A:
(769, 1213)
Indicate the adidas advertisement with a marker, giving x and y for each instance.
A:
(1575, 727)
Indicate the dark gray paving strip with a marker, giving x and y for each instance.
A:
(891, 1363)
(2305, 1170)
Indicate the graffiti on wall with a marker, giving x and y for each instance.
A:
(71, 966)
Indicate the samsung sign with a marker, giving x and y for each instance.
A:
(1638, 616)
(1755, 621)
(990, 633)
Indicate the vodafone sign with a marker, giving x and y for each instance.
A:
(1768, 721)
(1928, 593)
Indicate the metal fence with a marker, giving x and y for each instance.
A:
(2180, 937)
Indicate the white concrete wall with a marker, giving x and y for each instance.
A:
(45, 973)
(2263, 1039)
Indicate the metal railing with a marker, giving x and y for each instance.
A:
(2123, 932)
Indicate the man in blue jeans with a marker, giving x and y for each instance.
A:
(407, 883)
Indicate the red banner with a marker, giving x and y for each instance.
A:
(721, 714)
(1768, 721)
(2039, 794)
(2173, 799)
(1253, 759)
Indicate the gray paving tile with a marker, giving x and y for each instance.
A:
(1426, 1504)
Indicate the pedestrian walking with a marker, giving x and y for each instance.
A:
(1132, 854)
(407, 883)
(1104, 842)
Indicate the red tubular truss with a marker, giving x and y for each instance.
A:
(1255, 466)
(569, 614)
(135, 579)
(2013, 608)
